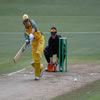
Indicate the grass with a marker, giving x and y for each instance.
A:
(88, 92)
(44, 23)
(9, 46)
(82, 48)
(50, 7)
(66, 15)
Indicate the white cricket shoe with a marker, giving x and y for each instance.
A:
(37, 78)
(46, 69)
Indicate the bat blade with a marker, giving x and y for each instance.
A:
(19, 53)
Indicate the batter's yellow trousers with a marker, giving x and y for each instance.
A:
(37, 52)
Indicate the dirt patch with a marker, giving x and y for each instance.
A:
(22, 86)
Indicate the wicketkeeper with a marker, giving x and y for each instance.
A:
(53, 48)
(35, 38)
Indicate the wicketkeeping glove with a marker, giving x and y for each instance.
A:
(55, 64)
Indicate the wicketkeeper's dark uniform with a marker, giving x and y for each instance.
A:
(53, 48)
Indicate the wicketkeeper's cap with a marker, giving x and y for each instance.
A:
(25, 17)
(53, 30)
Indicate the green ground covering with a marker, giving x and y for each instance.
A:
(82, 48)
(66, 15)
(88, 92)
(74, 16)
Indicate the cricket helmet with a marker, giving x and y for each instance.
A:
(53, 30)
(25, 17)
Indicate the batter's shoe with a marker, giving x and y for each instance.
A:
(37, 78)
(46, 69)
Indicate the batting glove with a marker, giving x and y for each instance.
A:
(27, 42)
(31, 37)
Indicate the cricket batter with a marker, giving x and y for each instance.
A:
(53, 48)
(35, 38)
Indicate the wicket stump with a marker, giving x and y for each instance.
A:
(63, 54)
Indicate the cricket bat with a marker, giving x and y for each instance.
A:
(19, 53)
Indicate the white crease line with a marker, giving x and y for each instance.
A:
(16, 72)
